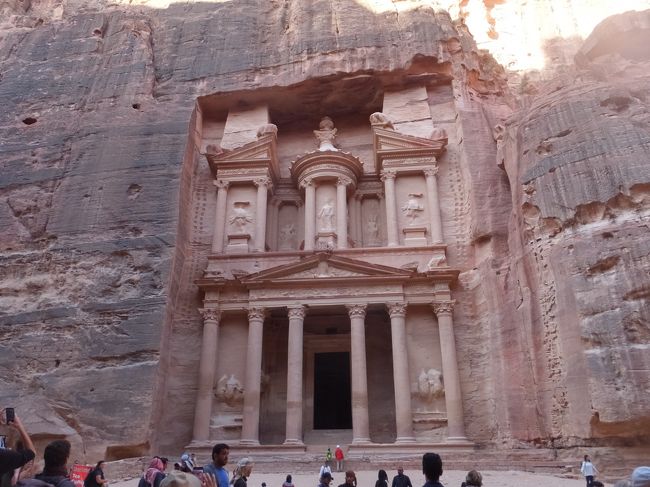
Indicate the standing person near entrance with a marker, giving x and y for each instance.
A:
(401, 480)
(95, 477)
(350, 479)
(217, 468)
(338, 454)
(382, 479)
(325, 468)
(432, 469)
(242, 472)
(328, 455)
(588, 470)
(325, 480)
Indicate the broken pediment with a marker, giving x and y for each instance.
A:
(390, 145)
(261, 153)
(324, 266)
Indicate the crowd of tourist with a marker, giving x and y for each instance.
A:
(16, 468)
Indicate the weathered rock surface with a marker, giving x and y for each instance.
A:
(106, 223)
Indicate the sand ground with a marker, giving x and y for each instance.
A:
(452, 478)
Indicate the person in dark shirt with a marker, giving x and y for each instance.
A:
(10, 459)
(401, 480)
(432, 469)
(350, 479)
(95, 477)
(55, 471)
(242, 472)
(154, 475)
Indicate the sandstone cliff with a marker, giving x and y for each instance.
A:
(104, 227)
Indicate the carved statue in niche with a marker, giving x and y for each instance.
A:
(240, 217)
(326, 134)
(326, 216)
(372, 229)
(412, 208)
(230, 391)
(439, 134)
(430, 385)
(379, 119)
(288, 236)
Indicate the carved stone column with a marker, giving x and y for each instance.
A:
(342, 213)
(359, 216)
(360, 423)
(220, 216)
(272, 229)
(401, 378)
(207, 371)
(388, 177)
(434, 204)
(251, 419)
(310, 213)
(294, 376)
(451, 377)
(354, 221)
(260, 213)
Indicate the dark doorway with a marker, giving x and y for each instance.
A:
(332, 391)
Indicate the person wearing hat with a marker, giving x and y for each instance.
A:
(641, 477)
(338, 454)
(325, 479)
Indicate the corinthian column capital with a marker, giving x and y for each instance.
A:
(388, 174)
(396, 309)
(306, 182)
(262, 182)
(342, 181)
(256, 314)
(430, 171)
(221, 184)
(210, 314)
(296, 312)
(356, 310)
(443, 307)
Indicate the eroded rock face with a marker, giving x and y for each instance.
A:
(105, 224)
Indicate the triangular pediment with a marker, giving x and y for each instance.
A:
(257, 153)
(325, 266)
(392, 140)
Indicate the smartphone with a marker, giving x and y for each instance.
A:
(10, 414)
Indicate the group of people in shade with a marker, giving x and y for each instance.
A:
(16, 469)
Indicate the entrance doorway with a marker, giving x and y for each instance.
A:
(332, 391)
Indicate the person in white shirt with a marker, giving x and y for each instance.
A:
(588, 470)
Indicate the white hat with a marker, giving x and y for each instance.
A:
(338, 446)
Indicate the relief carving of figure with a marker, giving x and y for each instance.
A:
(326, 216)
(326, 134)
(412, 208)
(230, 390)
(439, 135)
(372, 229)
(430, 385)
(288, 235)
(240, 217)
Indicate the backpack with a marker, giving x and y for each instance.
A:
(89, 481)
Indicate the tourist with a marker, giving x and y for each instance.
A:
(338, 454)
(641, 477)
(288, 482)
(588, 470)
(325, 468)
(401, 480)
(220, 454)
(186, 464)
(55, 471)
(350, 479)
(154, 475)
(95, 477)
(184, 479)
(242, 472)
(382, 479)
(14, 459)
(325, 479)
(473, 479)
(432, 469)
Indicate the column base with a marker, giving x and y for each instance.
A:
(249, 443)
(402, 440)
(457, 439)
(293, 442)
(361, 441)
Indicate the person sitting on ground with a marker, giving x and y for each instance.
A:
(55, 471)
(473, 479)
(217, 468)
(154, 475)
(242, 472)
(325, 468)
(350, 479)
(95, 477)
(401, 480)
(14, 459)
(432, 469)
(186, 464)
(325, 479)
(641, 477)
(382, 479)
(288, 482)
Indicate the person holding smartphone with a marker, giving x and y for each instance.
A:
(9, 459)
